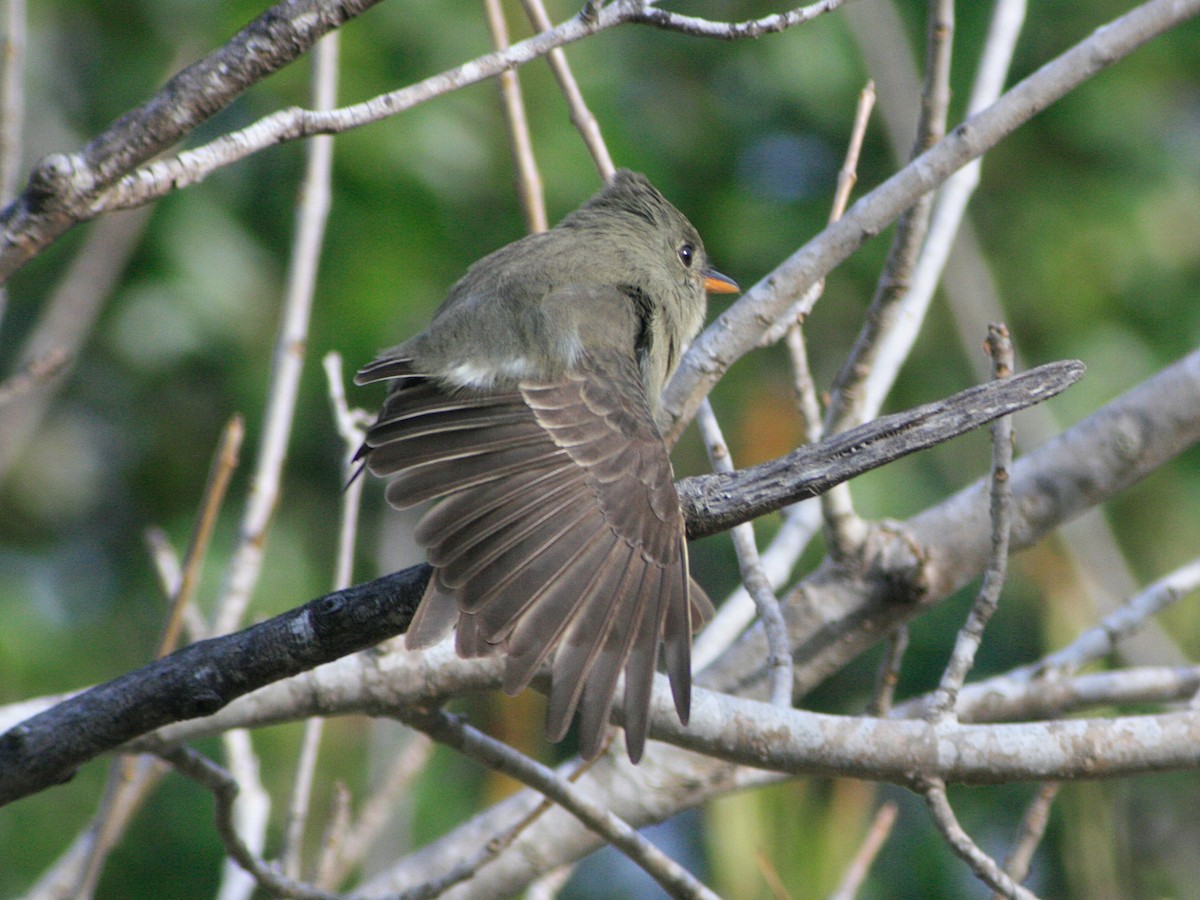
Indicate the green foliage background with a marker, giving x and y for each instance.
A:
(1089, 218)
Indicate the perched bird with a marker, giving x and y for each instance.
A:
(528, 405)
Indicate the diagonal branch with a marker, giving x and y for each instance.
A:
(713, 504)
(63, 185)
(739, 329)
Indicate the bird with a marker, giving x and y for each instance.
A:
(529, 410)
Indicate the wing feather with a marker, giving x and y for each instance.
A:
(642, 661)
(558, 531)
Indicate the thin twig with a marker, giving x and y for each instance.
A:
(354, 839)
(1124, 621)
(672, 877)
(770, 875)
(77, 869)
(888, 675)
(856, 872)
(731, 31)
(125, 786)
(581, 116)
(779, 662)
(550, 885)
(165, 559)
(225, 792)
(505, 839)
(33, 373)
(847, 178)
(1010, 695)
(224, 462)
(844, 529)
(169, 571)
(301, 797)
(801, 524)
(896, 342)
(801, 521)
(250, 813)
(65, 323)
(350, 429)
(529, 179)
(934, 792)
(845, 409)
(998, 700)
(969, 637)
(129, 779)
(380, 805)
(739, 328)
(157, 178)
(312, 210)
(1032, 828)
(330, 847)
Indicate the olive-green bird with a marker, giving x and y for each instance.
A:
(528, 406)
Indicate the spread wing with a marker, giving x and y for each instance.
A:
(559, 531)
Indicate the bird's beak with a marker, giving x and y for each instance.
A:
(716, 283)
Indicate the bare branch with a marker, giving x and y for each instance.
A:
(33, 374)
(731, 31)
(63, 187)
(1104, 637)
(156, 179)
(856, 872)
(740, 328)
(1004, 699)
(847, 405)
(960, 842)
(843, 612)
(847, 178)
(779, 662)
(224, 463)
(962, 658)
(529, 179)
(801, 520)
(12, 97)
(378, 808)
(225, 791)
(712, 504)
(1033, 827)
(896, 342)
(581, 116)
(1009, 695)
(672, 877)
(888, 675)
(66, 322)
(312, 213)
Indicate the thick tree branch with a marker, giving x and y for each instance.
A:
(202, 677)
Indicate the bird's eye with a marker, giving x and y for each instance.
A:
(686, 253)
